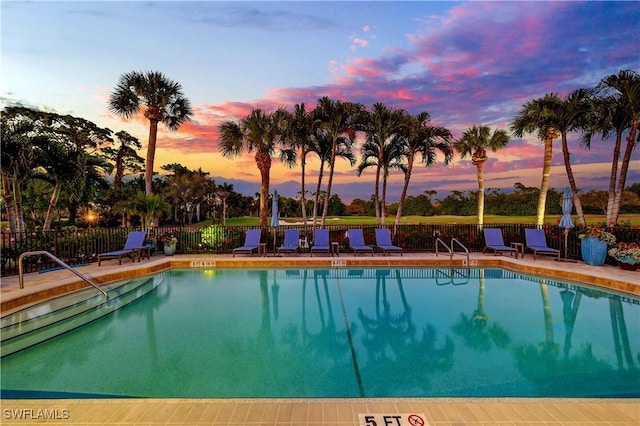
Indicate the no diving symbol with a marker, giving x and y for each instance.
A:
(415, 420)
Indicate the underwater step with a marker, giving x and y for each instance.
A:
(49, 319)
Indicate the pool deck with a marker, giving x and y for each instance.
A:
(330, 412)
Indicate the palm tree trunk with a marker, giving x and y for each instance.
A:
(117, 178)
(624, 168)
(480, 172)
(316, 197)
(613, 177)
(548, 317)
(48, 218)
(544, 186)
(383, 201)
(17, 196)
(325, 208)
(8, 202)
(151, 153)
(263, 160)
(572, 182)
(405, 187)
(376, 191)
(303, 200)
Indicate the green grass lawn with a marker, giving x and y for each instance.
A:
(488, 220)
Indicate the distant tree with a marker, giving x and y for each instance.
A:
(595, 200)
(162, 101)
(356, 208)
(336, 206)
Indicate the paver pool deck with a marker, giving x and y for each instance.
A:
(330, 412)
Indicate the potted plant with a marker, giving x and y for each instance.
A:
(627, 255)
(170, 242)
(594, 244)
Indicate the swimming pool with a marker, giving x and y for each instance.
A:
(401, 332)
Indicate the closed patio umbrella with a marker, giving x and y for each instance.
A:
(565, 221)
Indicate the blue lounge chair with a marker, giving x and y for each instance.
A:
(383, 242)
(132, 247)
(494, 242)
(356, 242)
(320, 241)
(251, 242)
(536, 241)
(291, 241)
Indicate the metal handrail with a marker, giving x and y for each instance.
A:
(60, 262)
(450, 249)
(438, 240)
(455, 240)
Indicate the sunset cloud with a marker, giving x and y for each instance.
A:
(465, 63)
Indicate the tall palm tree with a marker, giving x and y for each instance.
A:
(384, 158)
(567, 115)
(258, 132)
(609, 119)
(474, 143)
(534, 117)
(341, 120)
(625, 88)
(162, 101)
(300, 131)
(382, 127)
(321, 144)
(422, 138)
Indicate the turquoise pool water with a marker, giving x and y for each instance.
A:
(345, 333)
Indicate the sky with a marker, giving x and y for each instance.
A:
(465, 63)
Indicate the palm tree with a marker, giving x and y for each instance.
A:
(162, 101)
(149, 207)
(624, 87)
(17, 142)
(474, 142)
(424, 139)
(382, 127)
(567, 115)
(300, 130)
(258, 132)
(341, 120)
(534, 117)
(389, 159)
(321, 145)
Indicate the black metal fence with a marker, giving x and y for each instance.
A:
(82, 246)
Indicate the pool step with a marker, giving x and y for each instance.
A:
(54, 317)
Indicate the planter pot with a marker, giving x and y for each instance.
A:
(169, 250)
(627, 264)
(594, 251)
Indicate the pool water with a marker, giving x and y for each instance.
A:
(345, 333)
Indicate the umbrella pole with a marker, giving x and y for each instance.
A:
(566, 259)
